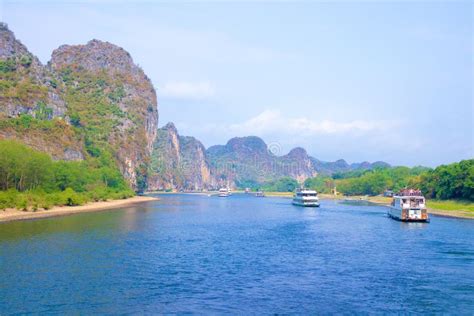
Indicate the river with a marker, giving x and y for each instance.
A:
(239, 255)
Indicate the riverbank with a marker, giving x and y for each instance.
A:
(16, 215)
(449, 208)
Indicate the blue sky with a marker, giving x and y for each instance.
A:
(388, 81)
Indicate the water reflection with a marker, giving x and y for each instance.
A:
(236, 255)
(125, 219)
(412, 225)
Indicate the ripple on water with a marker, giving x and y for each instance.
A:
(239, 255)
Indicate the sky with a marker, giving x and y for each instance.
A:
(362, 81)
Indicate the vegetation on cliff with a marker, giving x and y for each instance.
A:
(91, 103)
(178, 162)
(111, 103)
(249, 162)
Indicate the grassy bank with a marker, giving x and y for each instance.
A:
(453, 208)
(278, 194)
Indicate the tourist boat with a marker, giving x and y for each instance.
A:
(306, 197)
(260, 194)
(224, 192)
(409, 206)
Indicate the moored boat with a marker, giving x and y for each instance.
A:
(260, 194)
(306, 197)
(409, 205)
(224, 192)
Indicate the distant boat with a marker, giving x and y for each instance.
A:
(224, 192)
(409, 206)
(305, 197)
(260, 194)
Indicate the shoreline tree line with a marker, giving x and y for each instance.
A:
(30, 179)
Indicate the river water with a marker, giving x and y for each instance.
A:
(241, 254)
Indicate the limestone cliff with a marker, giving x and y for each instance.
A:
(113, 102)
(32, 108)
(298, 165)
(248, 159)
(89, 101)
(178, 163)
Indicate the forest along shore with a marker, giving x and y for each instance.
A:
(16, 215)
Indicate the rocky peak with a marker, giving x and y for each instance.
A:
(341, 163)
(103, 70)
(178, 162)
(9, 45)
(96, 56)
(27, 82)
(30, 89)
(247, 145)
(298, 153)
(170, 127)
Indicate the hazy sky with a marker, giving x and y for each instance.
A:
(360, 81)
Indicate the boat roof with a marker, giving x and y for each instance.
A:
(408, 196)
(409, 193)
(306, 191)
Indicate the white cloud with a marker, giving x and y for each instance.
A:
(187, 90)
(273, 122)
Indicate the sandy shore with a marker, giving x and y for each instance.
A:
(15, 215)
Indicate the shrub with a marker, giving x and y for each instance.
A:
(21, 203)
(7, 65)
(26, 60)
(71, 198)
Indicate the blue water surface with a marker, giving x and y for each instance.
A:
(238, 255)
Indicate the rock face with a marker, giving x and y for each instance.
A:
(26, 82)
(247, 160)
(178, 163)
(113, 100)
(329, 168)
(30, 90)
(90, 100)
(299, 165)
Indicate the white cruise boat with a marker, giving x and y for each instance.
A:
(306, 197)
(259, 194)
(409, 206)
(224, 192)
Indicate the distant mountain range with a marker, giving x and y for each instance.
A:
(92, 103)
(182, 163)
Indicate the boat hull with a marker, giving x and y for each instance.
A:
(306, 204)
(408, 215)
